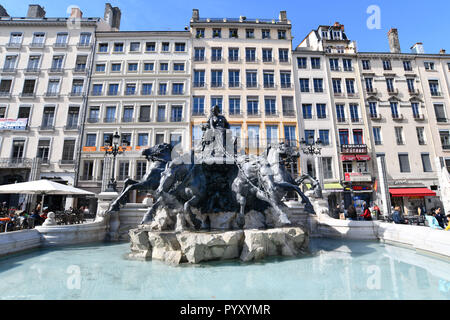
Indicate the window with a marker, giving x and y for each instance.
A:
(270, 106)
(199, 54)
(236, 133)
(354, 112)
(309, 136)
(90, 140)
(24, 112)
(118, 47)
(113, 89)
(366, 64)
(404, 162)
(97, 89)
(5, 87)
(103, 47)
(268, 77)
(28, 87)
(165, 47)
(265, 33)
(135, 46)
(426, 162)
(57, 63)
(198, 106)
(15, 39)
(128, 114)
(217, 101)
(250, 33)
(318, 85)
(141, 169)
(324, 136)
(347, 64)
(85, 39)
(216, 78)
(267, 55)
(94, 114)
(288, 106)
(343, 136)
(337, 86)
(88, 170)
(272, 134)
(285, 79)
(217, 33)
(233, 78)
(252, 106)
(350, 84)
(147, 89)
(421, 135)
(142, 139)
(369, 84)
(410, 83)
(175, 139)
(387, 65)
(10, 63)
(216, 54)
(394, 110)
(130, 89)
(124, 170)
(390, 84)
(307, 111)
(334, 64)
(200, 33)
(161, 114)
(162, 89)
(289, 135)
(283, 55)
(301, 63)
(199, 78)
(38, 39)
(399, 135)
(233, 54)
(18, 149)
(358, 136)
(251, 77)
(250, 54)
(110, 114)
(407, 65)
(100, 67)
(144, 113)
(180, 47)
(77, 87)
(321, 110)
(234, 105)
(177, 114)
(315, 63)
(149, 66)
(2, 112)
(177, 88)
(132, 67)
(429, 65)
(373, 109)
(68, 151)
(116, 67)
(445, 139)
(80, 63)
(281, 34)
(440, 113)
(415, 109)
(163, 66)
(434, 87)
(340, 112)
(377, 135)
(253, 137)
(61, 39)
(327, 167)
(304, 85)
(43, 150)
(150, 47)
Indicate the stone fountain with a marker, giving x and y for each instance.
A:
(217, 204)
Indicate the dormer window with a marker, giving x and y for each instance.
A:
(337, 35)
(324, 34)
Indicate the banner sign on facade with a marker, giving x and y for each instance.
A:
(13, 124)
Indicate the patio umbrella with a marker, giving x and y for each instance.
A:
(42, 187)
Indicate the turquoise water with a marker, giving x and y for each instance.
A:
(334, 270)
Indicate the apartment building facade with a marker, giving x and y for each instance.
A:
(140, 88)
(44, 74)
(245, 67)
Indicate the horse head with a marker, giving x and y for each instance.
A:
(160, 152)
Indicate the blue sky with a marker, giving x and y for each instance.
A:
(416, 20)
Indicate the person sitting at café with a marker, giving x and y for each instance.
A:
(37, 218)
(440, 217)
(432, 221)
(366, 215)
(397, 216)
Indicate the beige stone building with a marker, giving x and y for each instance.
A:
(43, 80)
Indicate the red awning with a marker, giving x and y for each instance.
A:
(348, 158)
(362, 158)
(412, 192)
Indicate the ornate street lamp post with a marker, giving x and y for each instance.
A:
(311, 147)
(114, 149)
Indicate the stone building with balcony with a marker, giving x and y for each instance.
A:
(244, 66)
(140, 88)
(44, 71)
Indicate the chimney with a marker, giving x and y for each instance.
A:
(3, 12)
(112, 16)
(394, 42)
(76, 13)
(35, 11)
(442, 51)
(418, 48)
(283, 16)
(195, 15)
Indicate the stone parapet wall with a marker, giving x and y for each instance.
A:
(12, 242)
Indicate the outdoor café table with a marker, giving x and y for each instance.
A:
(7, 219)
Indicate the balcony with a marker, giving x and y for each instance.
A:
(146, 92)
(419, 117)
(82, 45)
(235, 113)
(349, 69)
(66, 162)
(51, 94)
(254, 113)
(371, 90)
(234, 85)
(341, 120)
(356, 120)
(32, 70)
(113, 93)
(250, 59)
(273, 113)
(5, 95)
(397, 117)
(127, 119)
(269, 85)
(289, 113)
(109, 120)
(267, 60)
(80, 69)
(76, 94)
(96, 93)
(441, 120)
(71, 127)
(288, 86)
(199, 58)
(144, 119)
(14, 45)
(93, 120)
(47, 127)
(414, 92)
(199, 84)
(15, 163)
(177, 93)
(28, 95)
(376, 116)
(37, 45)
(60, 45)
(56, 70)
(8, 70)
(338, 94)
(352, 95)
(354, 148)
(392, 92)
(176, 119)
(216, 59)
(252, 84)
(216, 84)
(233, 59)
(436, 94)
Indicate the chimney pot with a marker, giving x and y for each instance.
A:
(418, 48)
(394, 42)
(283, 16)
(35, 11)
(195, 14)
(76, 13)
(443, 51)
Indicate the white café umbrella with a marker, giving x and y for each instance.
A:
(42, 187)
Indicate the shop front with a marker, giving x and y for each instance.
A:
(409, 199)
